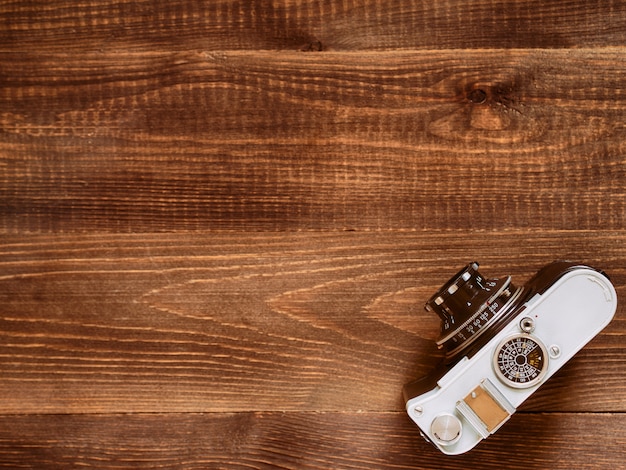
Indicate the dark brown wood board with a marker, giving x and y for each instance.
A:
(219, 222)
(315, 441)
(310, 25)
(315, 330)
(291, 141)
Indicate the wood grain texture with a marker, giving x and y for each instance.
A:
(219, 222)
(310, 25)
(263, 141)
(262, 322)
(312, 441)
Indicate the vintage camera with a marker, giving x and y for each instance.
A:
(501, 343)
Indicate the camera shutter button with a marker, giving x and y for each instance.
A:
(446, 429)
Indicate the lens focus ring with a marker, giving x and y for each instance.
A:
(466, 305)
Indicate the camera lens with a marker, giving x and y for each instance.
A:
(468, 304)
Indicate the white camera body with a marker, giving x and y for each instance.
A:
(478, 394)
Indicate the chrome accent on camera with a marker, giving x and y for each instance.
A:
(446, 429)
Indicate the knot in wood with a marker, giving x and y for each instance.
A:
(313, 46)
(477, 96)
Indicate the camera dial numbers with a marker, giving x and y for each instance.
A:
(480, 322)
(521, 361)
(472, 325)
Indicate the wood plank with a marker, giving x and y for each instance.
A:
(261, 322)
(309, 24)
(300, 441)
(250, 141)
(219, 222)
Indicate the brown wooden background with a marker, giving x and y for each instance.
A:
(219, 221)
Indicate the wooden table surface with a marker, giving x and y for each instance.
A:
(220, 220)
